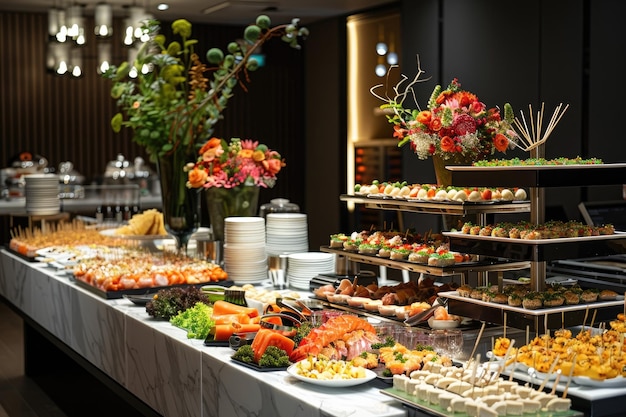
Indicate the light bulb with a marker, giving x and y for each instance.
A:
(381, 48)
(380, 70)
(392, 58)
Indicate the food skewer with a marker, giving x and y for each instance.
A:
(496, 375)
(480, 334)
(569, 378)
(582, 329)
(545, 380)
(556, 381)
(593, 318)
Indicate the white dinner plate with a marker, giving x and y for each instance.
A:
(369, 375)
(617, 382)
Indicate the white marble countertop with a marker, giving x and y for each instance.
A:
(155, 361)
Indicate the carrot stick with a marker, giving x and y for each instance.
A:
(222, 331)
(231, 318)
(224, 307)
(246, 327)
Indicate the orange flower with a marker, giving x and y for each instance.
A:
(435, 125)
(424, 117)
(447, 144)
(501, 142)
(197, 177)
(399, 132)
(210, 144)
(273, 165)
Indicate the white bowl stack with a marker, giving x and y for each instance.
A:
(245, 259)
(42, 194)
(302, 267)
(286, 233)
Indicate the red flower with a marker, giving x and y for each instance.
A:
(501, 142)
(464, 124)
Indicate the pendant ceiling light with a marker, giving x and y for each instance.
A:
(75, 24)
(104, 56)
(103, 19)
(53, 22)
(134, 25)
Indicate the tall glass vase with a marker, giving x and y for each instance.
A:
(180, 204)
(241, 201)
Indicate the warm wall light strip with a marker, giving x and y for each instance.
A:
(352, 101)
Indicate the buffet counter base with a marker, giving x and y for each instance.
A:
(156, 363)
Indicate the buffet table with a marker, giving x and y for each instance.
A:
(154, 362)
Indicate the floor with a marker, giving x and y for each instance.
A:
(20, 396)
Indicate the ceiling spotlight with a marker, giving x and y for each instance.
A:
(392, 58)
(163, 6)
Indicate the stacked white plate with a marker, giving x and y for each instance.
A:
(245, 260)
(286, 233)
(42, 194)
(302, 267)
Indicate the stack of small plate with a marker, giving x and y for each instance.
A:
(245, 260)
(302, 267)
(286, 233)
(42, 194)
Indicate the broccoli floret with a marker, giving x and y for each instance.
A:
(244, 354)
(302, 332)
(274, 357)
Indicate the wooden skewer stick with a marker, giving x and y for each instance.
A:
(593, 318)
(496, 375)
(569, 378)
(533, 137)
(545, 380)
(582, 329)
(480, 334)
(556, 381)
(513, 368)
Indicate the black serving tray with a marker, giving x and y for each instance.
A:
(257, 367)
(110, 295)
(539, 176)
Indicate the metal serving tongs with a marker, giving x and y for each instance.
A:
(291, 308)
(426, 314)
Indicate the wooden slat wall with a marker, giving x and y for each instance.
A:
(63, 118)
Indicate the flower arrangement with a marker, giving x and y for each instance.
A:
(231, 164)
(456, 123)
(175, 98)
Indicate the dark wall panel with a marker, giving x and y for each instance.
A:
(63, 118)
